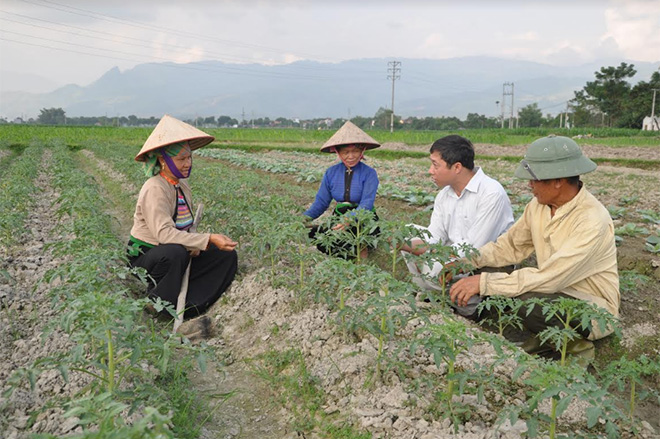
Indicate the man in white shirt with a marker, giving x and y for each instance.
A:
(471, 208)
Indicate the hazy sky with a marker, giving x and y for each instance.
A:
(75, 41)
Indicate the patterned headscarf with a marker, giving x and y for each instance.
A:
(151, 165)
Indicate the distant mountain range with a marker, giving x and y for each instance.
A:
(307, 89)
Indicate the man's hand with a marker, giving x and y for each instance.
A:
(446, 273)
(465, 288)
(416, 247)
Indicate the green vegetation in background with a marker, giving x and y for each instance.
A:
(81, 136)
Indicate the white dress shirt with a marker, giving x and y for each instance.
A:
(477, 216)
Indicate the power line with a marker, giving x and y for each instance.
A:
(225, 69)
(109, 18)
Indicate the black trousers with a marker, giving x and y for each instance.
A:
(211, 273)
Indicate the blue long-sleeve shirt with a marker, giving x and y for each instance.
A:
(364, 185)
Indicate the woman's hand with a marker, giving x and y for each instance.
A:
(222, 242)
(340, 226)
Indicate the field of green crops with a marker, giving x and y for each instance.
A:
(309, 346)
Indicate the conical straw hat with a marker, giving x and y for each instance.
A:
(349, 134)
(170, 130)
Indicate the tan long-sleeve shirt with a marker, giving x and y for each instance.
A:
(575, 252)
(152, 221)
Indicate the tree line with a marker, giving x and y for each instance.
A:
(608, 101)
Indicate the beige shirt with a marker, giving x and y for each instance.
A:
(575, 252)
(152, 221)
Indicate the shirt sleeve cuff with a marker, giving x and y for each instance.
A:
(483, 291)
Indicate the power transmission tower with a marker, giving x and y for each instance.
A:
(507, 90)
(393, 69)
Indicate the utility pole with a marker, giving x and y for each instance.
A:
(243, 117)
(653, 121)
(511, 113)
(393, 69)
(507, 90)
(566, 117)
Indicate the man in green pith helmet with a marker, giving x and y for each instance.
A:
(570, 232)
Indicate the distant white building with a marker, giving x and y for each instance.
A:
(650, 124)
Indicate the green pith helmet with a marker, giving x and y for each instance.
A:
(553, 157)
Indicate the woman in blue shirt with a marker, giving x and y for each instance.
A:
(351, 183)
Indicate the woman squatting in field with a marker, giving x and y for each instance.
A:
(351, 183)
(161, 241)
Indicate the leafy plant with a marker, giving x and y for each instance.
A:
(649, 216)
(616, 211)
(652, 244)
(445, 342)
(630, 229)
(504, 311)
(629, 372)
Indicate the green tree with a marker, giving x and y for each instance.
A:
(382, 118)
(362, 122)
(530, 116)
(610, 92)
(52, 116)
(639, 102)
(585, 112)
(474, 120)
(226, 121)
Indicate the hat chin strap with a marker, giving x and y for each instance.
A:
(173, 169)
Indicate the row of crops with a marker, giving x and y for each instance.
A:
(129, 360)
(124, 375)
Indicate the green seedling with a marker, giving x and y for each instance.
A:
(630, 372)
(562, 384)
(626, 201)
(504, 311)
(445, 342)
(572, 315)
(630, 281)
(334, 281)
(452, 266)
(355, 236)
(397, 234)
(388, 306)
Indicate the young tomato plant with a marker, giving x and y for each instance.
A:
(445, 342)
(504, 311)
